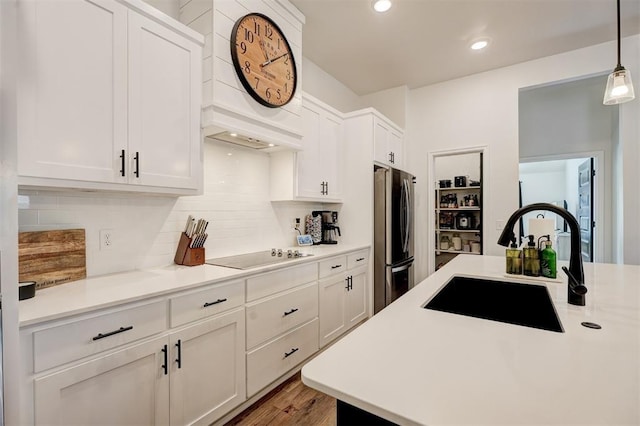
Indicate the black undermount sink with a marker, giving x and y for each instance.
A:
(528, 305)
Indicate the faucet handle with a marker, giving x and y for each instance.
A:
(576, 287)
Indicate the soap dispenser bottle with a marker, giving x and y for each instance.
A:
(531, 260)
(514, 258)
(548, 258)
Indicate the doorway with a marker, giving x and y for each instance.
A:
(570, 183)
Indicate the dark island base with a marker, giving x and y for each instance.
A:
(348, 415)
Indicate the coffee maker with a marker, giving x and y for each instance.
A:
(329, 226)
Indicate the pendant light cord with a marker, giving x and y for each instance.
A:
(619, 64)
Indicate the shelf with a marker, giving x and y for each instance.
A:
(475, 208)
(457, 252)
(472, 231)
(458, 188)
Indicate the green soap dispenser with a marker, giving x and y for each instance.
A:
(531, 260)
(514, 259)
(548, 262)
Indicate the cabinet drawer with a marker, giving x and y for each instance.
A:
(268, 362)
(200, 304)
(332, 266)
(89, 335)
(275, 315)
(358, 258)
(281, 280)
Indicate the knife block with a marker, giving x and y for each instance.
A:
(188, 256)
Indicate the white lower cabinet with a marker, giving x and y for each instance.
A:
(342, 302)
(270, 361)
(193, 357)
(125, 387)
(207, 375)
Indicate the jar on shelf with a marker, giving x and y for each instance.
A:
(445, 243)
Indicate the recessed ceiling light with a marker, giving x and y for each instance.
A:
(382, 5)
(479, 44)
(272, 144)
(233, 134)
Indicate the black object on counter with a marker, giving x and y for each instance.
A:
(445, 183)
(460, 181)
(26, 290)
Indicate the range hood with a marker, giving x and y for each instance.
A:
(243, 140)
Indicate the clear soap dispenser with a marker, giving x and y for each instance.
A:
(531, 260)
(514, 258)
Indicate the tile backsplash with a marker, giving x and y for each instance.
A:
(146, 228)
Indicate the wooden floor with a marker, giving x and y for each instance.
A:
(291, 403)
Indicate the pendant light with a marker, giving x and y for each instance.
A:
(619, 87)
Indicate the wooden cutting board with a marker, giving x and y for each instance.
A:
(52, 257)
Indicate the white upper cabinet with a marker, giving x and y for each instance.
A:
(226, 104)
(388, 144)
(108, 98)
(315, 172)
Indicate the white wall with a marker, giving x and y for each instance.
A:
(391, 102)
(482, 110)
(325, 87)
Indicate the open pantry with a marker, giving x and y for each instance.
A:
(458, 206)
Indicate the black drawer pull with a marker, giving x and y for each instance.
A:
(179, 359)
(336, 266)
(111, 333)
(291, 311)
(360, 259)
(293, 350)
(206, 305)
(164, 366)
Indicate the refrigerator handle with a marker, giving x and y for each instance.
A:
(407, 215)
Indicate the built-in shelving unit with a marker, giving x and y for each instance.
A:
(458, 209)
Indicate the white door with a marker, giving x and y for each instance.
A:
(356, 308)
(332, 312)
(331, 156)
(208, 369)
(164, 106)
(126, 387)
(308, 160)
(72, 103)
(380, 142)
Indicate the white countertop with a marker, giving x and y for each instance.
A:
(114, 289)
(417, 366)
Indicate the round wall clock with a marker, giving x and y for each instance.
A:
(263, 60)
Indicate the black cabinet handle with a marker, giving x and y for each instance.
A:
(322, 190)
(111, 333)
(326, 186)
(206, 305)
(122, 156)
(291, 311)
(390, 157)
(136, 158)
(336, 266)
(360, 259)
(164, 366)
(293, 350)
(349, 281)
(179, 359)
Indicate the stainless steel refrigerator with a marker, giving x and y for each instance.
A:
(393, 235)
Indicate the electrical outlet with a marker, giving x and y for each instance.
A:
(106, 239)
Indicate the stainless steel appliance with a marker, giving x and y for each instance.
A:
(393, 235)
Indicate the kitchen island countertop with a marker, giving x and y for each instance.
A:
(415, 366)
(114, 289)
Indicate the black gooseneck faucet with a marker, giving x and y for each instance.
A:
(576, 289)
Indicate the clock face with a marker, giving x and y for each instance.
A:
(263, 60)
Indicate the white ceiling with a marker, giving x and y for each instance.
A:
(421, 42)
